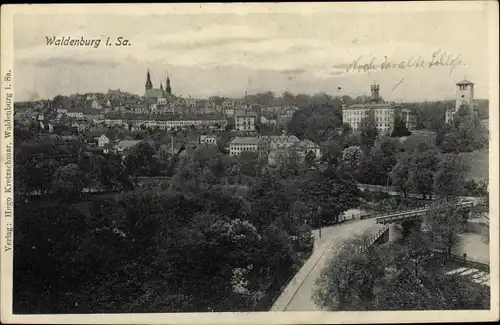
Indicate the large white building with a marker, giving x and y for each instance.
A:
(248, 144)
(245, 120)
(162, 122)
(464, 96)
(383, 113)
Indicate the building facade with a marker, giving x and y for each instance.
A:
(464, 96)
(285, 114)
(383, 113)
(248, 144)
(208, 139)
(245, 121)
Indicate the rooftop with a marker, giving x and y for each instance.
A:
(154, 92)
(128, 143)
(283, 138)
(307, 143)
(371, 105)
(465, 82)
(242, 113)
(245, 140)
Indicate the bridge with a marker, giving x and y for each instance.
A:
(410, 214)
(297, 295)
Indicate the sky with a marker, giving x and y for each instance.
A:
(227, 52)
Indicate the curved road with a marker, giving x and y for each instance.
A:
(298, 294)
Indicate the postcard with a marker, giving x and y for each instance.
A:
(249, 163)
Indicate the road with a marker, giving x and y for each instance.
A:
(298, 294)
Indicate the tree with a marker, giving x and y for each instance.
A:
(346, 129)
(69, 181)
(289, 164)
(376, 167)
(368, 131)
(142, 161)
(288, 98)
(310, 159)
(351, 158)
(317, 123)
(348, 281)
(444, 223)
(400, 129)
(422, 167)
(352, 139)
(249, 163)
(330, 192)
(415, 251)
(270, 200)
(464, 133)
(449, 179)
(400, 173)
(331, 152)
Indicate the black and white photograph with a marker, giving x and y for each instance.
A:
(250, 163)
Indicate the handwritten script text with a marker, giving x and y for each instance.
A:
(439, 59)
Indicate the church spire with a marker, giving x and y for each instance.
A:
(149, 85)
(168, 89)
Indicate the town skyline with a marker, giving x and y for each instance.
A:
(221, 54)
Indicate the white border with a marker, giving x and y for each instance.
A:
(491, 7)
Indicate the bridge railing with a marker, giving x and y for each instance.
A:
(373, 238)
(411, 213)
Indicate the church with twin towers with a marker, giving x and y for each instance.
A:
(155, 93)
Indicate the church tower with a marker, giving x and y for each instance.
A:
(168, 89)
(149, 85)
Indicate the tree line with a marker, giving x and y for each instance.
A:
(221, 233)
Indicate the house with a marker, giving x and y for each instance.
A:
(126, 145)
(47, 126)
(189, 102)
(103, 140)
(208, 139)
(141, 108)
(210, 107)
(228, 112)
(107, 148)
(228, 104)
(96, 104)
(305, 146)
(245, 120)
(248, 144)
(80, 126)
(75, 112)
(285, 114)
(282, 141)
(92, 137)
(268, 119)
